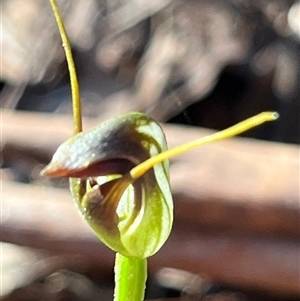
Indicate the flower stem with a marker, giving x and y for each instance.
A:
(72, 70)
(130, 278)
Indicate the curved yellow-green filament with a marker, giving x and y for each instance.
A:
(237, 129)
(72, 70)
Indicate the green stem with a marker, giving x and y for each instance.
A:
(130, 278)
(72, 70)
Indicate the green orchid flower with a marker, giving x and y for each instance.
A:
(120, 179)
(132, 216)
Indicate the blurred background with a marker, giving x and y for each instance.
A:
(195, 66)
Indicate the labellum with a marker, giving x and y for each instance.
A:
(131, 215)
